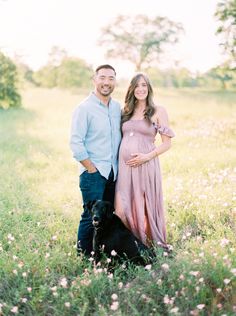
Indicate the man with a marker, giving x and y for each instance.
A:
(95, 140)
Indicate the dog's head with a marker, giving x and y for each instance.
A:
(101, 212)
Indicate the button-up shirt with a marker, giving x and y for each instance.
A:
(96, 135)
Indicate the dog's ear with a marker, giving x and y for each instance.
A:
(89, 205)
(109, 209)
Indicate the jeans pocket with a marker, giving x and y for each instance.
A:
(89, 179)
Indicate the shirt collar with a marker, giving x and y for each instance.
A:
(96, 99)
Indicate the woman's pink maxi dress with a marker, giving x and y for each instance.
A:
(139, 200)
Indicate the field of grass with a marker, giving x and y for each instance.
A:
(40, 207)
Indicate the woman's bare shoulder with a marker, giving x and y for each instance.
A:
(160, 108)
(160, 112)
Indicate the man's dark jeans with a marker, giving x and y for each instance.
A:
(93, 186)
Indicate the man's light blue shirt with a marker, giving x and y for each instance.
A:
(96, 135)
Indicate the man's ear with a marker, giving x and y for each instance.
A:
(88, 205)
(109, 209)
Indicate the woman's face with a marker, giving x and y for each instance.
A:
(141, 89)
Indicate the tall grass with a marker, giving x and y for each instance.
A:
(40, 207)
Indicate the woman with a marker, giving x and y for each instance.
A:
(138, 200)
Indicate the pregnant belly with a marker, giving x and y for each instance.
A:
(128, 148)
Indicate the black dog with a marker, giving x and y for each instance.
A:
(111, 234)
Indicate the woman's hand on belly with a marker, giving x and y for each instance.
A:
(138, 159)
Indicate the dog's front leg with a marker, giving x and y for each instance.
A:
(96, 247)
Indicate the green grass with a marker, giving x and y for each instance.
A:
(40, 207)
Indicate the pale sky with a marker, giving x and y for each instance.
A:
(30, 28)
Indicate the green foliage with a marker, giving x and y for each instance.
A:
(46, 76)
(9, 96)
(40, 204)
(226, 15)
(71, 72)
(25, 74)
(139, 39)
(177, 78)
(218, 77)
(222, 73)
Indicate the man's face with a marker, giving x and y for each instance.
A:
(104, 81)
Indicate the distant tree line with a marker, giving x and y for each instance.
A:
(61, 71)
(142, 41)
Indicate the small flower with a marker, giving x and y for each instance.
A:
(113, 253)
(10, 237)
(20, 264)
(63, 282)
(226, 281)
(219, 306)
(218, 290)
(165, 267)
(47, 255)
(14, 310)
(108, 260)
(194, 273)
(24, 274)
(114, 306)
(24, 300)
(174, 310)
(148, 267)
(181, 277)
(54, 237)
(114, 297)
(120, 285)
(159, 282)
(200, 306)
(29, 289)
(15, 271)
(233, 271)
(166, 299)
(67, 304)
(224, 242)
(54, 288)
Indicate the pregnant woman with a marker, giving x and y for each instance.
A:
(138, 199)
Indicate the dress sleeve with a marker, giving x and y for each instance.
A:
(164, 130)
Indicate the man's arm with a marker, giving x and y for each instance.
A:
(79, 129)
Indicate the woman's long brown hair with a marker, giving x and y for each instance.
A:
(131, 101)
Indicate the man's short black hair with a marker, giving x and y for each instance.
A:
(106, 66)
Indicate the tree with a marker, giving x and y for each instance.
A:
(221, 73)
(46, 76)
(73, 72)
(70, 73)
(9, 96)
(56, 56)
(140, 39)
(226, 15)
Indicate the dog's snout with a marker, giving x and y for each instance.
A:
(96, 221)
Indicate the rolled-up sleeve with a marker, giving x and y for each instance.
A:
(79, 127)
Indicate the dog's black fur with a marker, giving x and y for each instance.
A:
(111, 234)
